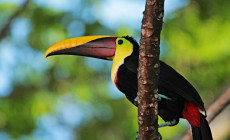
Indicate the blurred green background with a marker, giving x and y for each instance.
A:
(73, 98)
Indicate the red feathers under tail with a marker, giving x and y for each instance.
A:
(200, 127)
(203, 132)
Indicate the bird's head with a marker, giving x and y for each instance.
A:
(103, 47)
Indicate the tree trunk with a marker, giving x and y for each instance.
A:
(149, 68)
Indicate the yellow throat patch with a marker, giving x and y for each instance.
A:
(123, 50)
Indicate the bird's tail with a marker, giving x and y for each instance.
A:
(203, 132)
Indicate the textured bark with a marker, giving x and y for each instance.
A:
(148, 71)
(5, 29)
(213, 110)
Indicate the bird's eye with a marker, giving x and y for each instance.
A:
(120, 42)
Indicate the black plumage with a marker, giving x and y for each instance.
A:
(171, 84)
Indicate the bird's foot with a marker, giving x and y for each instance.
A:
(137, 137)
(159, 136)
(160, 97)
(168, 123)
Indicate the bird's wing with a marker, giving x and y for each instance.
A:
(173, 81)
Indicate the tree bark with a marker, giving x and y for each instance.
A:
(148, 71)
(213, 110)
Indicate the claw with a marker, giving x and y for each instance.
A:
(136, 101)
(159, 98)
(159, 136)
(137, 137)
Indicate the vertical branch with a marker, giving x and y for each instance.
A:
(148, 71)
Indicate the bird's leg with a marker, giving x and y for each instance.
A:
(159, 136)
(160, 96)
(168, 123)
(136, 101)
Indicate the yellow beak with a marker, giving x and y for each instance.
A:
(93, 46)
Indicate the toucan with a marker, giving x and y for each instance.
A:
(177, 97)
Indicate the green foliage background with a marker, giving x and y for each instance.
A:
(68, 97)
